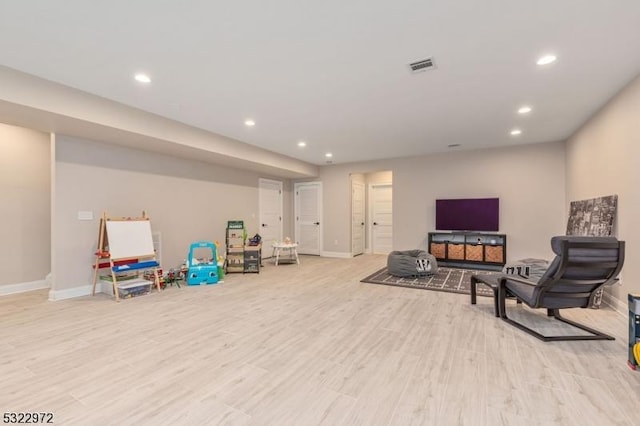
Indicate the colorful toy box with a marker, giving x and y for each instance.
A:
(203, 269)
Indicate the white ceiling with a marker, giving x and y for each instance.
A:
(334, 73)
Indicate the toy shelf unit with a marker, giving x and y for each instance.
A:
(125, 249)
(202, 263)
(234, 240)
(469, 249)
(252, 258)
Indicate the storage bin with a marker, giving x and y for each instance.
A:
(455, 251)
(134, 289)
(494, 254)
(251, 266)
(473, 252)
(437, 250)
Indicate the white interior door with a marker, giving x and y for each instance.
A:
(308, 212)
(381, 196)
(357, 218)
(270, 206)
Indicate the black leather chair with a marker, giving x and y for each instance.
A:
(582, 266)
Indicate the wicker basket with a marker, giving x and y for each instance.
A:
(455, 251)
(437, 250)
(474, 252)
(494, 254)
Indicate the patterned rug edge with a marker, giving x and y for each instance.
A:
(482, 290)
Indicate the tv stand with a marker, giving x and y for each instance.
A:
(469, 249)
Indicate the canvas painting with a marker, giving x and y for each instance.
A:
(594, 217)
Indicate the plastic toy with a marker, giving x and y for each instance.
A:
(255, 240)
(173, 277)
(634, 331)
(202, 271)
(149, 276)
(221, 264)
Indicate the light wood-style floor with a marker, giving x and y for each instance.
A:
(305, 345)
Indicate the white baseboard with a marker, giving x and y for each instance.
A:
(335, 254)
(70, 293)
(620, 306)
(23, 287)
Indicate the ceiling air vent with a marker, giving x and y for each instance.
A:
(424, 65)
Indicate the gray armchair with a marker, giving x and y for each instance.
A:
(582, 266)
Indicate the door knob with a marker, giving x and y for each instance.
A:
(362, 223)
(316, 223)
(264, 224)
(375, 223)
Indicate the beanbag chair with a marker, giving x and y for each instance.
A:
(411, 263)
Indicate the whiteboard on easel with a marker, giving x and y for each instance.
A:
(129, 238)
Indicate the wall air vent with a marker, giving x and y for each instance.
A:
(424, 65)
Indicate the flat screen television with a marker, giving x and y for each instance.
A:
(468, 214)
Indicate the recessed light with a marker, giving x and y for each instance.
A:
(516, 132)
(142, 78)
(546, 60)
(524, 110)
(328, 155)
(249, 123)
(302, 144)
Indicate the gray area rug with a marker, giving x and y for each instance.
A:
(452, 280)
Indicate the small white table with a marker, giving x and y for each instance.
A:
(290, 248)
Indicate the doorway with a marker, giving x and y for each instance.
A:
(381, 222)
(270, 206)
(358, 217)
(308, 217)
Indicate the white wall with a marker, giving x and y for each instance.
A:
(25, 224)
(186, 201)
(603, 159)
(528, 179)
